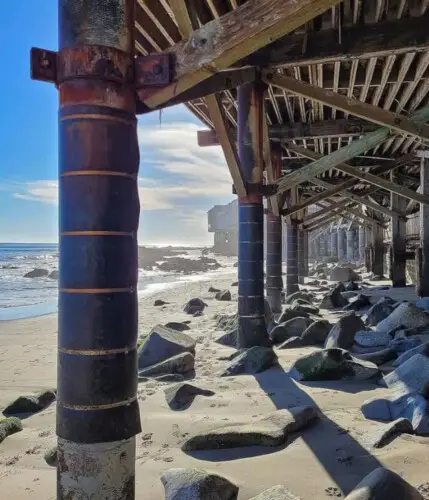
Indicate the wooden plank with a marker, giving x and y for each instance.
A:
(364, 176)
(358, 41)
(300, 130)
(228, 146)
(222, 42)
(332, 191)
(399, 123)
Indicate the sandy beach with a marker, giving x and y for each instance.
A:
(326, 460)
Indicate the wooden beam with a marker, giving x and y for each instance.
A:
(364, 176)
(182, 17)
(222, 42)
(299, 130)
(332, 191)
(401, 124)
(326, 209)
(358, 41)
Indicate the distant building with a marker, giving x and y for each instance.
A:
(223, 222)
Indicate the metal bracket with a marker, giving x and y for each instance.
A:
(151, 73)
(43, 65)
(266, 190)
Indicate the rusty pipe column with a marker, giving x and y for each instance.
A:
(274, 244)
(251, 304)
(292, 258)
(97, 410)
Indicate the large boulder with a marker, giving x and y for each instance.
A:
(27, 405)
(270, 430)
(51, 456)
(181, 363)
(300, 294)
(406, 315)
(289, 313)
(197, 484)
(224, 295)
(178, 326)
(291, 328)
(379, 311)
(227, 339)
(352, 286)
(385, 433)
(181, 396)
(410, 376)
(383, 484)
(368, 338)
(256, 359)
(37, 273)
(316, 333)
(405, 356)
(359, 302)
(194, 306)
(163, 343)
(343, 332)
(9, 426)
(378, 357)
(276, 493)
(332, 364)
(305, 307)
(334, 298)
(344, 274)
(423, 303)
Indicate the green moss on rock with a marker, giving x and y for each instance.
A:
(9, 426)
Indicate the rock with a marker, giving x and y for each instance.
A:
(291, 343)
(54, 275)
(159, 302)
(9, 426)
(406, 315)
(300, 294)
(386, 432)
(343, 332)
(226, 322)
(423, 303)
(167, 378)
(268, 313)
(306, 308)
(177, 326)
(410, 376)
(234, 283)
(292, 328)
(163, 343)
(422, 349)
(228, 339)
(378, 312)
(189, 266)
(181, 396)
(224, 295)
(313, 283)
(344, 274)
(37, 273)
(349, 295)
(250, 361)
(276, 493)
(331, 364)
(334, 298)
(289, 313)
(194, 305)
(383, 484)
(378, 357)
(352, 286)
(181, 363)
(197, 484)
(30, 404)
(358, 303)
(51, 456)
(368, 338)
(401, 345)
(270, 430)
(316, 333)
(213, 290)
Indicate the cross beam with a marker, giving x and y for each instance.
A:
(222, 42)
(401, 124)
(364, 176)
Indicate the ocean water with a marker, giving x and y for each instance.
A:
(26, 297)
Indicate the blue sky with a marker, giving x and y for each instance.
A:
(178, 180)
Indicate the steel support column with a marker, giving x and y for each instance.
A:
(334, 243)
(368, 248)
(251, 318)
(342, 242)
(423, 285)
(274, 280)
(97, 408)
(378, 251)
(301, 256)
(362, 240)
(292, 258)
(398, 262)
(350, 235)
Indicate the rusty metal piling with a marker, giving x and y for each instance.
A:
(97, 411)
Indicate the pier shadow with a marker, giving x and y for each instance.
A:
(344, 459)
